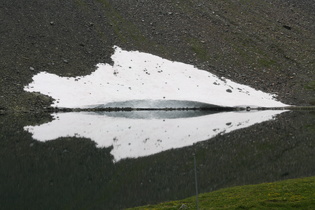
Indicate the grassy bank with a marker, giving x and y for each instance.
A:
(288, 194)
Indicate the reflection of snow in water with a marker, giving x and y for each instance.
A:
(138, 137)
(136, 76)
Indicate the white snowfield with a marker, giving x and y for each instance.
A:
(133, 136)
(136, 76)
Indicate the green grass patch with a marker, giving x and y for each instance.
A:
(288, 194)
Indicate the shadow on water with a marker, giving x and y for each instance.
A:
(160, 104)
(75, 172)
(158, 114)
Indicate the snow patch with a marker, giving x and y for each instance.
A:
(142, 76)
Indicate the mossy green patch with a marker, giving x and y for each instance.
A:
(310, 85)
(198, 47)
(266, 62)
(124, 30)
(294, 193)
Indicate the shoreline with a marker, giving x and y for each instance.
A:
(51, 110)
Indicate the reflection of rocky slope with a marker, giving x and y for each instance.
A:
(268, 45)
(54, 174)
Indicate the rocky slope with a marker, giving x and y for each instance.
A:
(267, 44)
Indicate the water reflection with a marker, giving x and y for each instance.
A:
(71, 173)
(144, 133)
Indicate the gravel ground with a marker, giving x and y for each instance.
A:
(267, 44)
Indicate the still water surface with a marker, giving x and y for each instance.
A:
(116, 160)
(142, 133)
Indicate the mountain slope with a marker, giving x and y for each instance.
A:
(266, 44)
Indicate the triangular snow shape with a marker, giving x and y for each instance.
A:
(142, 80)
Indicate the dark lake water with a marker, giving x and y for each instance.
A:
(118, 160)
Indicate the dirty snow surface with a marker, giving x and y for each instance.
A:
(142, 80)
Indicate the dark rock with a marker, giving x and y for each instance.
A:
(287, 27)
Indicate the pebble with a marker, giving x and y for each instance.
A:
(183, 206)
